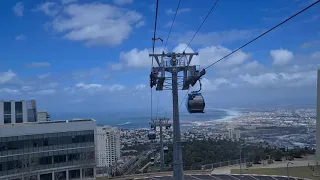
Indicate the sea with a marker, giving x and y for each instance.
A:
(140, 119)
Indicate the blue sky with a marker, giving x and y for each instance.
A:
(82, 55)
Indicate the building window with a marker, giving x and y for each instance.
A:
(60, 158)
(19, 118)
(7, 107)
(74, 174)
(46, 176)
(7, 119)
(45, 160)
(7, 112)
(60, 175)
(18, 108)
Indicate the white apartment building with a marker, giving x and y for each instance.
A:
(12, 112)
(230, 133)
(234, 134)
(108, 145)
(238, 135)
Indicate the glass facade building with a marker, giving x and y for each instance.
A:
(48, 150)
(14, 112)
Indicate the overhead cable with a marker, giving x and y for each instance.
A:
(266, 32)
(153, 43)
(204, 20)
(174, 18)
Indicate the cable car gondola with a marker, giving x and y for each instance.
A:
(195, 102)
(165, 149)
(152, 135)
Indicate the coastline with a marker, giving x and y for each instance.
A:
(141, 120)
(231, 114)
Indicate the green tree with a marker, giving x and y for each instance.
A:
(277, 154)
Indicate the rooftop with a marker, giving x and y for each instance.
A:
(47, 122)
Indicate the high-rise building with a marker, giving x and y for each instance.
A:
(108, 145)
(230, 133)
(12, 112)
(238, 135)
(48, 150)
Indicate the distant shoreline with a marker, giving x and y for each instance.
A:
(141, 120)
(231, 114)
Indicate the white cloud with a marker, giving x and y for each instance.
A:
(18, 9)
(281, 56)
(252, 65)
(38, 65)
(96, 23)
(10, 91)
(139, 24)
(7, 77)
(48, 8)
(209, 55)
(281, 79)
(260, 80)
(122, 2)
(45, 92)
(68, 1)
(181, 10)
(115, 87)
(20, 37)
(181, 47)
(213, 85)
(94, 88)
(140, 86)
(215, 38)
(87, 86)
(136, 58)
(310, 44)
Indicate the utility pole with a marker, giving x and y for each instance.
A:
(161, 122)
(158, 78)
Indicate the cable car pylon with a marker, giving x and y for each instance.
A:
(158, 78)
(161, 122)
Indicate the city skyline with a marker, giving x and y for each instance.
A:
(50, 53)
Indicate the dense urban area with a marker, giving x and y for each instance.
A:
(278, 127)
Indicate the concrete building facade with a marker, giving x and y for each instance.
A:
(43, 116)
(48, 150)
(108, 145)
(12, 112)
(238, 132)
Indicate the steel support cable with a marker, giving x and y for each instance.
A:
(184, 98)
(174, 18)
(204, 20)
(266, 32)
(153, 44)
(201, 25)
